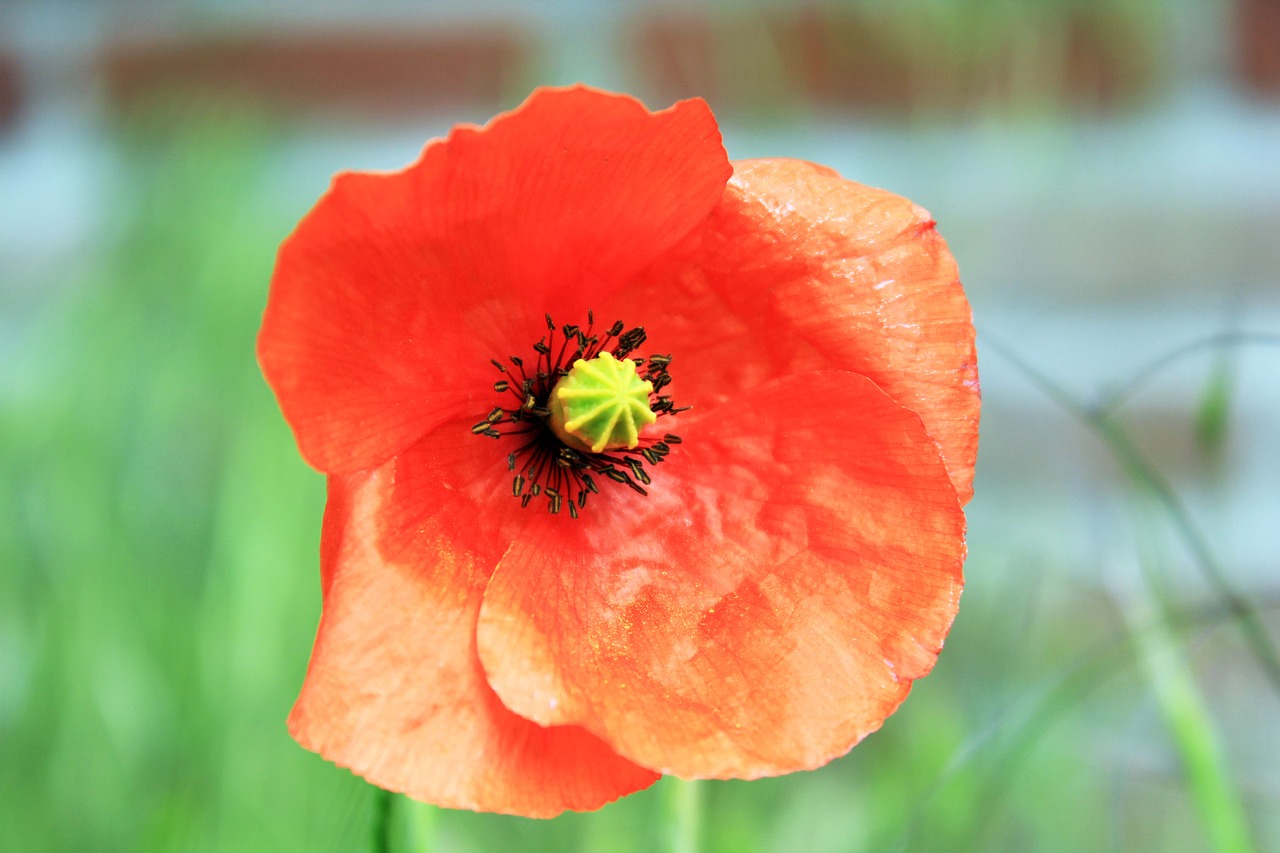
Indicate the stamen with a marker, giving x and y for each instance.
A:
(568, 475)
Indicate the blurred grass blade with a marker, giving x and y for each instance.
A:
(1213, 414)
(1163, 661)
(1148, 480)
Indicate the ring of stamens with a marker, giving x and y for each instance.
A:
(543, 465)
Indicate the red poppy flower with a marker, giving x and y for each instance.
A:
(527, 620)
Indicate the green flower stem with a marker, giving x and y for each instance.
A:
(422, 821)
(683, 806)
(381, 828)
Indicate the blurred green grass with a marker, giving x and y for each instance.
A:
(160, 592)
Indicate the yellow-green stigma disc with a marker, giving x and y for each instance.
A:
(602, 404)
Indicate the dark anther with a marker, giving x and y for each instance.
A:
(480, 428)
(542, 348)
(591, 484)
(637, 471)
(550, 323)
(629, 340)
(498, 365)
(517, 361)
(495, 415)
(501, 385)
(511, 462)
(573, 510)
(517, 485)
(615, 329)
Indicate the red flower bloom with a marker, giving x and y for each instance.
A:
(796, 562)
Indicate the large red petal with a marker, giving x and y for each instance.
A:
(393, 293)
(802, 270)
(395, 690)
(796, 565)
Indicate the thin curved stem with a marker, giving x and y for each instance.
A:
(1147, 476)
(1119, 396)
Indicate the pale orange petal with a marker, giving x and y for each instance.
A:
(796, 565)
(395, 691)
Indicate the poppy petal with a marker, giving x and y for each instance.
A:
(802, 270)
(796, 565)
(395, 691)
(393, 293)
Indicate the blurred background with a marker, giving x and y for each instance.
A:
(1108, 175)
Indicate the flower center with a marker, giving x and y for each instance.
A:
(601, 405)
(576, 423)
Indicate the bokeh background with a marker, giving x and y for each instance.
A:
(1108, 175)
